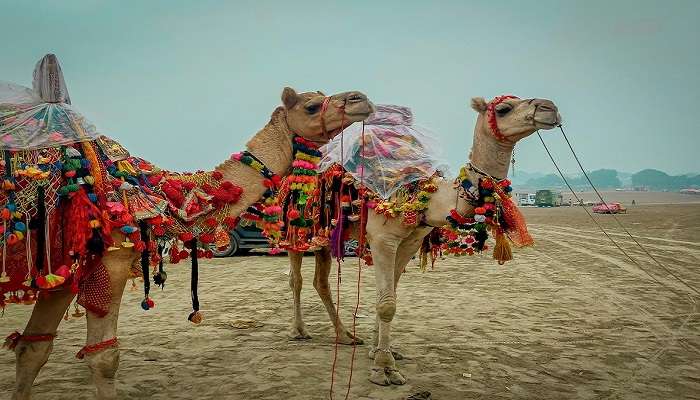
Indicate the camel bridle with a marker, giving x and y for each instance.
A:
(324, 108)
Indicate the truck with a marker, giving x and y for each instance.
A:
(526, 199)
(548, 198)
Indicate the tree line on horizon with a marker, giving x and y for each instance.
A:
(652, 179)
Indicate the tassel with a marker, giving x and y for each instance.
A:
(49, 281)
(195, 316)
(424, 250)
(12, 340)
(502, 251)
(515, 221)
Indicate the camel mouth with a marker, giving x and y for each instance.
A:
(546, 125)
(549, 121)
(359, 110)
(358, 116)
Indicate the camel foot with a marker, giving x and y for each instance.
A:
(379, 377)
(395, 376)
(386, 376)
(348, 338)
(299, 333)
(395, 353)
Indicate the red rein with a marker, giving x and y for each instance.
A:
(491, 115)
(324, 108)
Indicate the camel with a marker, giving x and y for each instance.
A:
(499, 126)
(312, 116)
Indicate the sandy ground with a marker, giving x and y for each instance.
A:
(570, 318)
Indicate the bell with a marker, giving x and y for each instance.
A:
(4, 278)
(127, 243)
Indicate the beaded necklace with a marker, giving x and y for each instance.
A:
(468, 235)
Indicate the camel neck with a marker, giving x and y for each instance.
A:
(488, 154)
(272, 145)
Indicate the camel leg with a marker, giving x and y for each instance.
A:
(407, 249)
(384, 249)
(31, 356)
(323, 270)
(104, 362)
(298, 330)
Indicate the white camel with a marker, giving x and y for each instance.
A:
(499, 126)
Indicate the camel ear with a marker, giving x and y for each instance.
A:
(289, 97)
(321, 93)
(479, 104)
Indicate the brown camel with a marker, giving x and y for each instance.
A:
(312, 115)
(394, 244)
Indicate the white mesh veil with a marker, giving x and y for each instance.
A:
(41, 117)
(395, 151)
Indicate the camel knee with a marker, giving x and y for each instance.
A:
(33, 354)
(386, 309)
(30, 356)
(104, 364)
(295, 281)
(321, 286)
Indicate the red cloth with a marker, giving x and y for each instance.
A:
(95, 291)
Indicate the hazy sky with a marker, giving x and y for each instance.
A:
(185, 83)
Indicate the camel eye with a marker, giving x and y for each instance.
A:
(312, 108)
(503, 109)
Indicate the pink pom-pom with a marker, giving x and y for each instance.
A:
(236, 156)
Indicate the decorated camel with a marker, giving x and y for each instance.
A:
(79, 211)
(465, 209)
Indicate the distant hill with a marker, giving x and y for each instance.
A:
(602, 178)
(519, 178)
(610, 179)
(656, 180)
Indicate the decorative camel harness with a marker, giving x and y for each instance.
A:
(320, 207)
(63, 205)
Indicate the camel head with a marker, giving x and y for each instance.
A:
(318, 117)
(510, 119)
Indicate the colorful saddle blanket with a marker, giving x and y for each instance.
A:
(64, 207)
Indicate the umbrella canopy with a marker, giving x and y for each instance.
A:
(394, 152)
(41, 117)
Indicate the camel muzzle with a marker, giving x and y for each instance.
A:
(546, 114)
(357, 106)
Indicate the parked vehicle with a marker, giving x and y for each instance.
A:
(526, 199)
(242, 239)
(609, 208)
(548, 198)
